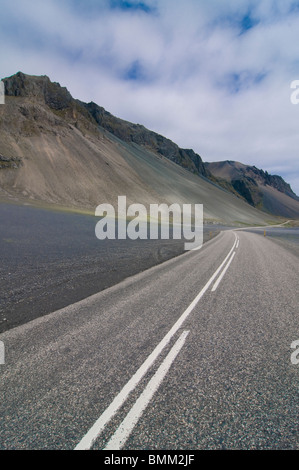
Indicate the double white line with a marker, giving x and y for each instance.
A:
(237, 240)
(125, 428)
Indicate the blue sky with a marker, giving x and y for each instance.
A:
(211, 75)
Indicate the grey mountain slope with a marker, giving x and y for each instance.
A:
(66, 158)
(57, 98)
(136, 133)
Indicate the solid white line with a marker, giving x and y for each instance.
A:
(223, 272)
(124, 430)
(88, 440)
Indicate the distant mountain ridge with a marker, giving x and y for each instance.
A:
(56, 148)
(260, 189)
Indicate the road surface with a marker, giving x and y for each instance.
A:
(194, 353)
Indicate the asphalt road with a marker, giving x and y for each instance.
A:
(167, 359)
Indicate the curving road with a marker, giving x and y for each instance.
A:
(194, 353)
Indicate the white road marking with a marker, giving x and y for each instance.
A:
(223, 272)
(237, 245)
(124, 430)
(90, 437)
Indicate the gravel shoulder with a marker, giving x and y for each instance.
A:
(51, 259)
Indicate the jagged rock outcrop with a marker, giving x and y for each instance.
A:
(10, 162)
(55, 96)
(138, 134)
(260, 189)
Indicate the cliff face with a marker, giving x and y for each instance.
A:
(40, 88)
(275, 181)
(129, 132)
(260, 189)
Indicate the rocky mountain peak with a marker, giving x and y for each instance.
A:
(38, 88)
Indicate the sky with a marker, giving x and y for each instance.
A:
(214, 76)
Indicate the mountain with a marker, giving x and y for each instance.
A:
(269, 193)
(57, 150)
(60, 101)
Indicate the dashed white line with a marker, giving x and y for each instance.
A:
(226, 267)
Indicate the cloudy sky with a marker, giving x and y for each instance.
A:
(211, 75)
